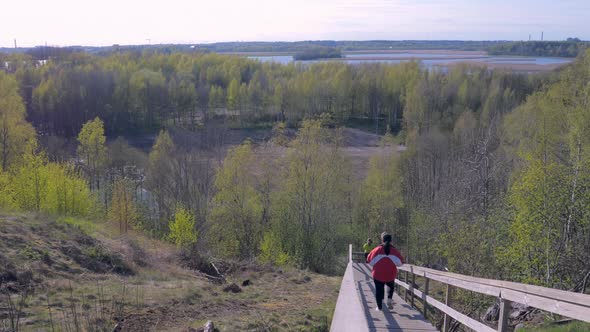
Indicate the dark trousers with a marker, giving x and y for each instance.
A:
(380, 291)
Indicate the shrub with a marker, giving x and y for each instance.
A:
(182, 228)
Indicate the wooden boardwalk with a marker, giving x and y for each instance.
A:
(355, 309)
(401, 318)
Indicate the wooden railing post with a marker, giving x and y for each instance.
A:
(448, 299)
(503, 320)
(350, 253)
(564, 303)
(405, 290)
(424, 299)
(412, 288)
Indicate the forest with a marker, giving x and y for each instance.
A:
(135, 93)
(253, 46)
(318, 53)
(493, 180)
(572, 47)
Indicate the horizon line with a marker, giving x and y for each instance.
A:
(284, 41)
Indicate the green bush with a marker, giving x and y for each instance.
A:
(182, 228)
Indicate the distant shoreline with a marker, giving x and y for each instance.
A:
(417, 51)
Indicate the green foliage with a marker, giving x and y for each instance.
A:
(28, 181)
(143, 93)
(161, 149)
(540, 201)
(271, 251)
(279, 134)
(236, 217)
(176, 175)
(312, 201)
(343, 44)
(182, 229)
(470, 246)
(564, 327)
(483, 185)
(568, 48)
(436, 100)
(6, 194)
(54, 188)
(425, 238)
(92, 140)
(233, 94)
(68, 192)
(92, 149)
(15, 132)
(314, 53)
(122, 209)
(550, 192)
(160, 168)
(86, 225)
(381, 199)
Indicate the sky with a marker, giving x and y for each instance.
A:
(124, 22)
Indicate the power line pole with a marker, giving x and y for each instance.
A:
(541, 35)
(15, 43)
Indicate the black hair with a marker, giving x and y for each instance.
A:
(386, 243)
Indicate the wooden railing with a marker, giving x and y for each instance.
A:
(564, 303)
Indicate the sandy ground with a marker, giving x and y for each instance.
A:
(359, 157)
(359, 146)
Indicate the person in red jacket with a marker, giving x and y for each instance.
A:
(384, 259)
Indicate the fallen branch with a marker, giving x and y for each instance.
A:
(220, 279)
(217, 270)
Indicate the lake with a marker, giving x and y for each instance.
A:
(433, 59)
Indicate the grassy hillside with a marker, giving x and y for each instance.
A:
(68, 275)
(566, 327)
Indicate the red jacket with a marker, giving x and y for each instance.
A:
(385, 266)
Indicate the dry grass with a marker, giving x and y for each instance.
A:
(160, 295)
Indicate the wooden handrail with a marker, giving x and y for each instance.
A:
(464, 319)
(553, 293)
(568, 304)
